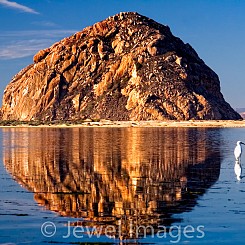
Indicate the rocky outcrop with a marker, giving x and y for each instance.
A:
(127, 67)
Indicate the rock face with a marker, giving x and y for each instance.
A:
(127, 67)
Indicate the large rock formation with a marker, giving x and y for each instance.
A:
(127, 67)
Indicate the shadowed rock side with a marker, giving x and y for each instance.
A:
(137, 176)
(127, 67)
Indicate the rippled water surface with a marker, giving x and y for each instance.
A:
(120, 185)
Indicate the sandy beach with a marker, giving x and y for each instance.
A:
(108, 123)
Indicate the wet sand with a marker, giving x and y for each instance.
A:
(108, 123)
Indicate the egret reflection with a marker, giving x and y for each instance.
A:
(111, 175)
(238, 169)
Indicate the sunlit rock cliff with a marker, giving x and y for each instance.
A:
(102, 175)
(127, 67)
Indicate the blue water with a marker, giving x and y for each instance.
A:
(180, 183)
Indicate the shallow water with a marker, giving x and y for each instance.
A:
(120, 185)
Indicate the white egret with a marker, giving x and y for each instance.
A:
(238, 150)
(238, 170)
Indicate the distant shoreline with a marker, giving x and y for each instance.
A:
(127, 124)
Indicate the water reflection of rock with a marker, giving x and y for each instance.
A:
(133, 175)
